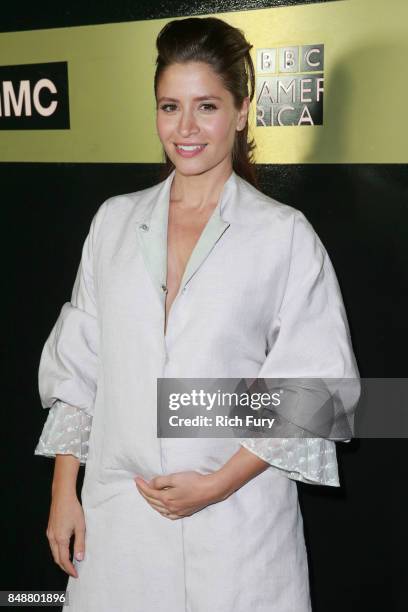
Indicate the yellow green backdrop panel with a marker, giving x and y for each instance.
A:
(112, 108)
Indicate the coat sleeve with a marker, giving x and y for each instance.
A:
(68, 369)
(66, 432)
(310, 339)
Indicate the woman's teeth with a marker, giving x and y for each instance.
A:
(190, 147)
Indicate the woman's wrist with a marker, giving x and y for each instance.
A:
(220, 485)
(65, 475)
(239, 469)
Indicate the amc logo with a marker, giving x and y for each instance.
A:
(34, 96)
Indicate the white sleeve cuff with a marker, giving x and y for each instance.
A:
(66, 432)
(310, 460)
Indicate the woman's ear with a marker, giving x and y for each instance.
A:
(243, 114)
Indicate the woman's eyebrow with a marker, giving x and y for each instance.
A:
(198, 99)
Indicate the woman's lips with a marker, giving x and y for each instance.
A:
(189, 150)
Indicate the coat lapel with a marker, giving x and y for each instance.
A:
(212, 232)
(152, 231)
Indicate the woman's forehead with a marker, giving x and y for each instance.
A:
(192, 79)
(193, 71)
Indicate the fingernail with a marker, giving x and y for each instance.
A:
(79, 556)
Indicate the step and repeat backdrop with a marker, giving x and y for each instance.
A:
(330, 87)
(77, 125)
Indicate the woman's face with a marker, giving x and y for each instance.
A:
(196, 118)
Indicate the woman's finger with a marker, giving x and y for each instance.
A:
(158, 507)
(148, 491)
(161, 509)
(161, 482)
(79, 544)
(156, 504)
(54, 548)
(152, 501)
(173, 517)
(65, 561)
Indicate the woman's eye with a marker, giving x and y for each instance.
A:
(168, 108)
(208, 106)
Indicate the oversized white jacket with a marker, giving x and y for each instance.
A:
(259, 298)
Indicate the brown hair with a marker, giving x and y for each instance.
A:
(225, 49)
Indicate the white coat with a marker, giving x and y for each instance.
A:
(258, 298)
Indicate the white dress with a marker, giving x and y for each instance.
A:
(259, 298)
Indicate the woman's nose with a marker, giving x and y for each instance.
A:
(188, 124)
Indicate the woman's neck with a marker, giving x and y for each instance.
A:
(199, 191)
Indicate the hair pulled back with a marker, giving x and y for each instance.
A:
(225, 49)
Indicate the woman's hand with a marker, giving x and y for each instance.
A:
(66, 515)
(181, 494)
(66, 518)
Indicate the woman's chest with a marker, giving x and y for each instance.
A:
(183, 234)
(234, 283)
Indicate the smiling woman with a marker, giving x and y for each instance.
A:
(219, 73)
(203, 122)
(199, 276)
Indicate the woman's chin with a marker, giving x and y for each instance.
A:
(189, 168)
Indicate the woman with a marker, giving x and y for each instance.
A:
(200, 276)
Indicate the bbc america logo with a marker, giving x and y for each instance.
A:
(290, 86)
